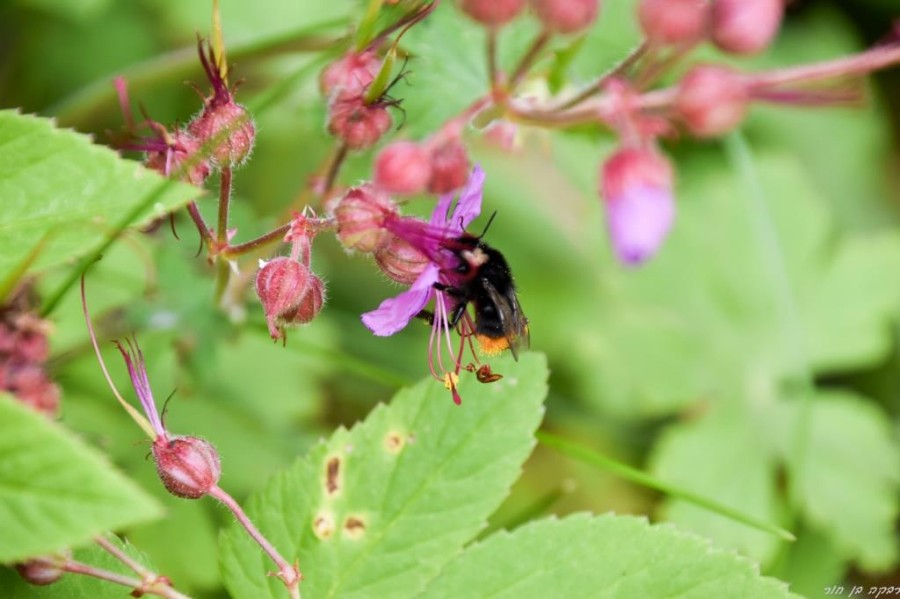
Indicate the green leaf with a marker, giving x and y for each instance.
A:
(54, 491)
(378, 510)
(604, 557)
(57, 185)
(850, 475)
(76, 586)
(740, 473)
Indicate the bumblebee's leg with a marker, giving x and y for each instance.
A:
(427, 316)
(457, 313)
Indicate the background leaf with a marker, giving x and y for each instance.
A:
(409, 487)
(54, 491)
(604, 557)
(57, 185)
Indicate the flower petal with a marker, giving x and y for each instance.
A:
(639, 221)
(469, 205)
(395, 313)
(439, 215)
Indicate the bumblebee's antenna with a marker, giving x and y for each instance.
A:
(488, 225)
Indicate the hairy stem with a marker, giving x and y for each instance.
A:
(289, 574)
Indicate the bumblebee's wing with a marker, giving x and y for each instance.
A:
(512, 320)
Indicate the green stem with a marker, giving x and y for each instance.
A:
(636, 476)
(788, 315)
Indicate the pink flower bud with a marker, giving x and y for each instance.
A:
(712, 100)
(361, 215)
(187, 466)
(492, 13)
(449, 166)
(42, 571)
(167, 162)
(357, 124)
(401, 261)
(311, 304)
(566, 16)
(281, 284)
(231, 127)
(673, 21)
(745, 26)
(636, 185)
(403, 167)
(350, 75)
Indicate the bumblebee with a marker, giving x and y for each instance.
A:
(482, 278)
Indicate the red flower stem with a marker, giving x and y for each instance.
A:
(272, 236)
(493, 80)
(334, 167)
(137, 568)
(158, 587)
(201, 225)
(289, 574)
(625, 64)
(224, 203)
(528, 59)
(860, 64)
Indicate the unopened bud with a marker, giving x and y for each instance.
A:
(636, 185)
(168, 162)
(492, 13)
(357, 124)
(187, 466)
(311, 304)
(281, 284)
(361, 215)
(350, 75)
(673, 21)
(745, 26)
(42, 571)
(712, 100)
(403, 167)
(399, 260)
(449, 166)
(566, 16)
(230, 125)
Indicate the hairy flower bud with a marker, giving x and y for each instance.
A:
(281, 285)
(350, 75)
(357, 124)
(492, 13)
(361, 215)
(745, 26)
(636, 185)
(403, 167)
(187, 466)
(566, 16)
(399, 260)
(673, 21)
(712, 100)
(182, 146)
(41, 571)
(449, 166)
(311, 304)
(230, 125)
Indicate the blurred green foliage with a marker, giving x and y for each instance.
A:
(753, 361)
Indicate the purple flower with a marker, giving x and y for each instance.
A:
(431, 239)
(636, 185)
(638, 222)
(137, 371)
(395, 313)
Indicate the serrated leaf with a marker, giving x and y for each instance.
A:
(75, 586)
(408, 488)
(739, 473)
(850, 474)
(57, 185)
(603, 557)
(55, 492)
